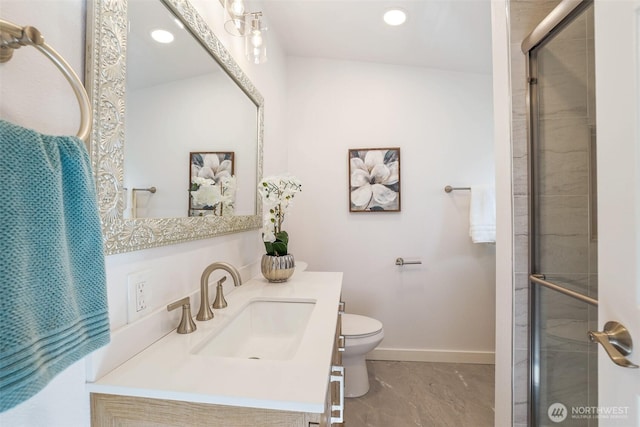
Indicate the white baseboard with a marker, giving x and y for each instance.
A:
(448, 356)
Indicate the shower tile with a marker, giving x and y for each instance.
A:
(562, 79)
(520, 163)
(563, 255)
(563, 173)
(564, 322)
(526, 14)
(564, 162)
(576, 30)
(521, 215)
(518, 83)
(521, 253)
(521, 312)
(521, 234)
(564, 334)
(563, 216)
(564, 382)
(520, 386)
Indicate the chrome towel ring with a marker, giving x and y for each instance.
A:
(13, 37)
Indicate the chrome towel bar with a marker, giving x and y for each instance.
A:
(540, 279)
(151, 190)
(401, 262)
(449, 189)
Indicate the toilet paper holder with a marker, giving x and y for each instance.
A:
(400, 261)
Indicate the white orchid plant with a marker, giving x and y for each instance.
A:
(277, 194)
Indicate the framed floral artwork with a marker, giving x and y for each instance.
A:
(374, 179)
(211, 183)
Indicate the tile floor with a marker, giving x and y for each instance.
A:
(405, 394)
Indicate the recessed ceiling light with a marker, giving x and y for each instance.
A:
(162, 36)
(395, 17)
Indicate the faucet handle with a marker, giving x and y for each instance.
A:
(220, 302)
(187, 325)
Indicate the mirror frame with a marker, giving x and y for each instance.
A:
(105, 80)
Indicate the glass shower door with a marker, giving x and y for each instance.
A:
(563, 226)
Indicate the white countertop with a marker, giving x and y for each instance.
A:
(169, 369)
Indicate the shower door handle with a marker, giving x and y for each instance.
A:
(617, 342)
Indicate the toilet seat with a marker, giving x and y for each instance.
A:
(357, 326)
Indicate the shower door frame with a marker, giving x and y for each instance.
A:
(552, 24)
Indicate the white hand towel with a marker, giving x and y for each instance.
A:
(482, 215)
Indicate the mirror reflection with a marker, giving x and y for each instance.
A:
(181, 102)
(163, 120)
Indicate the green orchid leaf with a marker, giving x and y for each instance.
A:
(283, 237)
(280, 248)
(269, 248)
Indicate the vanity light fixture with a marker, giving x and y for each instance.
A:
(162, 36)
(255, 46)
(234, 17)
(395, 17)
(250, 25)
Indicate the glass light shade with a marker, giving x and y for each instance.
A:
(234, 17)
(234, 8)
(255, 44)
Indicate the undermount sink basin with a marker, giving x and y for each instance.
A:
(269, 330)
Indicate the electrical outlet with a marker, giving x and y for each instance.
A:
(139, 292)
(141, 296)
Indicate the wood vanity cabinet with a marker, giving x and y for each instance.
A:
(128, 411)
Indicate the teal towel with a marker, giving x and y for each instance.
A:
(53, 298)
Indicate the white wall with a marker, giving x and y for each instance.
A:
(442, 122)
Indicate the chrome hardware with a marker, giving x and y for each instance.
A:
(220, 302)
(341, 306)
(401, 262)
(187, 325)
(151, 190)
(341, 342)
(340, 407)
(449, 189)
(617, 342)
(541, 280)
(205, 312)
(13, 36)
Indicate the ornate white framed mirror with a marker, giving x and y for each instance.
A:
(155, 104)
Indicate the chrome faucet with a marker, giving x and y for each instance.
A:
(205, 312)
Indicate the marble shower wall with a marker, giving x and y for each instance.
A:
(565, 248)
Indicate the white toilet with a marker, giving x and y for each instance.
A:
(362, 334)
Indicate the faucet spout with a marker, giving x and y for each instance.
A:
(205, 312)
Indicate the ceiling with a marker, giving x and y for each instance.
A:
(445, 34)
